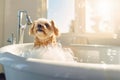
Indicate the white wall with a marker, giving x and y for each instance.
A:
(9, 17)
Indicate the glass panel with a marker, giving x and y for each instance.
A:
(85, 16)
(62, 11)
(99, 16)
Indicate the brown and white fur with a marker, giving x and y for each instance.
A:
(44, 32)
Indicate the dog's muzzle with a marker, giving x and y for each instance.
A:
(40, 28)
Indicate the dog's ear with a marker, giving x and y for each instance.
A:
(31, 30)
(56, 30)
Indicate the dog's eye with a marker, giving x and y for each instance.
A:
(46, 24)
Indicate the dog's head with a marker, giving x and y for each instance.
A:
(43, 29)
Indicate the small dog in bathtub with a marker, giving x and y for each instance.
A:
(45, 45)
(44, 32)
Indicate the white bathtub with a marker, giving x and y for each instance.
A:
(20, 68)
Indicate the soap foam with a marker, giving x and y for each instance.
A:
(49, 53)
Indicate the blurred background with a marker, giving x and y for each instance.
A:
(79, 21)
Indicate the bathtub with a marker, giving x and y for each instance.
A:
(21, 68)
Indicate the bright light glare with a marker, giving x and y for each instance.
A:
(102, 11)
(103, 8)
(88, 18)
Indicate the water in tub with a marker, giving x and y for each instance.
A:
(54, 53)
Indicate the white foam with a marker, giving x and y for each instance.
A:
(49, 53)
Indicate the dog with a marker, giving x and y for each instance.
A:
(44, 32)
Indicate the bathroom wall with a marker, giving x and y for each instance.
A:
(9, 17)
(2, 4)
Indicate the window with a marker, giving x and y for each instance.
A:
(99, 16)
(85, 16)
(62, 11)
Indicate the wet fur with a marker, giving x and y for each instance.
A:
(45, 35)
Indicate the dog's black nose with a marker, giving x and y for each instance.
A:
(39, 26)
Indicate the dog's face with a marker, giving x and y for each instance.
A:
(43, 29)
